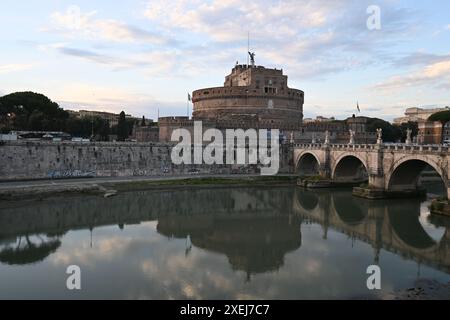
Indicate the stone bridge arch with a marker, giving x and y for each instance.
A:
(350, 166)
(404, 173)
(308, 163)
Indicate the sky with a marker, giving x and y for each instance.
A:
(142, 56)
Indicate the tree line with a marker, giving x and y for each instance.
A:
(29, 111)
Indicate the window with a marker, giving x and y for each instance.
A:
(270, 90)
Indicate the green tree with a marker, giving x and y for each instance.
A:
(122, 128)
(79, 127)
(102, 129)
(33, 111)
(391, 133)
(405, 126)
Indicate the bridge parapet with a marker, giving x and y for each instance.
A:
(339, 147)
(384, 147)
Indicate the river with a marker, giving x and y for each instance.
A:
(219, 243)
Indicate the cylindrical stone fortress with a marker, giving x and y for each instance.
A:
(253, 94)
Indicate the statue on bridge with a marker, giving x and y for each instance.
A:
(379, 136)
(327, 137)
(352, 137)
(408, 136)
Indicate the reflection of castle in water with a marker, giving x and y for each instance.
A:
(254, 228)
(252, 243)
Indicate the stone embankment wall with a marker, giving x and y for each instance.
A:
(56, 160)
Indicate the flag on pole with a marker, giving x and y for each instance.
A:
(357, 106)
(189, 97)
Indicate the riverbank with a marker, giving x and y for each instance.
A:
(110, 186)
(424, 289)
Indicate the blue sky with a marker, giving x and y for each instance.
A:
(141, 56)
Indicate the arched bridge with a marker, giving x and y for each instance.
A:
(388, 169)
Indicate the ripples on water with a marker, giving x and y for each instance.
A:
(246, 243)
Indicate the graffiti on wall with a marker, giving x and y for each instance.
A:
(71, 174)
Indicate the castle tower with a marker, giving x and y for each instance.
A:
(251, 96)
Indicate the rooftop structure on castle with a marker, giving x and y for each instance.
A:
(254, 95)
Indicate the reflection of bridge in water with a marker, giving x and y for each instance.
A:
(254, 228)
(393, 225)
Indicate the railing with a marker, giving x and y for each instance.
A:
(384, 147)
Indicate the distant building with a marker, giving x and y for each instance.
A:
(446, 133)
(418, 114)
(112, 118)
(145, 133)
(430, 132)
(318, 119)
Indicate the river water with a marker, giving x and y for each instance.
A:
(219, 243)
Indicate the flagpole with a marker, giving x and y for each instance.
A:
(188, 100)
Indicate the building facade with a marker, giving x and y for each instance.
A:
(430, 132)
(112, 118)
(145, 133)
(418, 114)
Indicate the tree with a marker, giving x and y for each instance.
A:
(104, 130)
(143, 121)
(33, 111)
(390, 133)
(122, 128)
(443, 117)
(404, 128)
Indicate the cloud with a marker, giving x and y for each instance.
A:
(218, 18)
(154, 63)
(77, 96)
(74, 23)
(310, 38)
(436, 74)
(10, 68)
(88, 55)
(421, 58)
